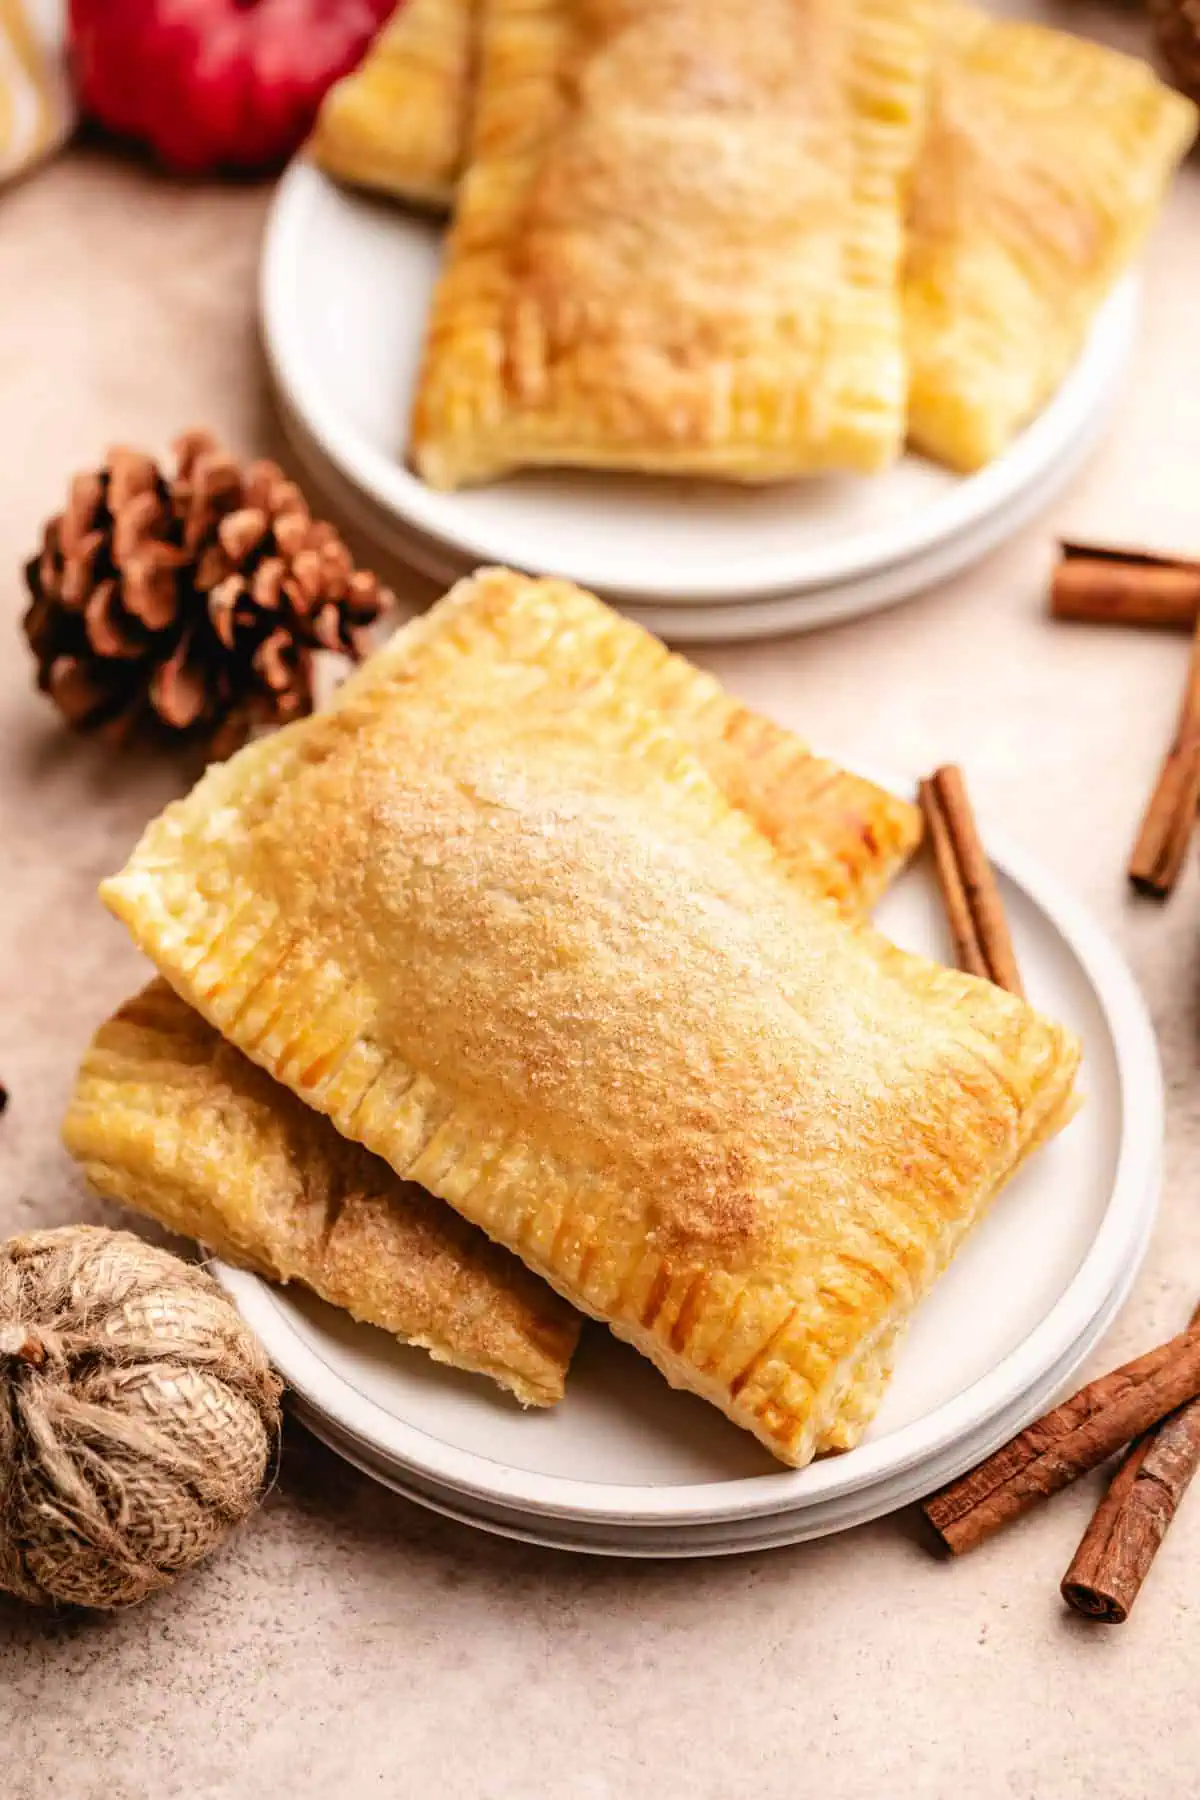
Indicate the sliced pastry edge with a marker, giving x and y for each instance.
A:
(168, 1121)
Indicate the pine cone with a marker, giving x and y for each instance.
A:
(194, 603)
(1177, 23)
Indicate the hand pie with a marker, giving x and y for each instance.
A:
(677, 244)
(167, 1119)
(1044, 166)
(399, 123)
(268, 1184)
(509, 934)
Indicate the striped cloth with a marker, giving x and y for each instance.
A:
(35, 105)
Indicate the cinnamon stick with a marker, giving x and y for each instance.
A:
(1077, 1436)
(1118, 1547)
(982, 943)
(1167, 823)
(1099, 585)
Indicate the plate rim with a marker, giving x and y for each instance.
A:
(748, 619)
(1129, 1212)
(702, 1539)
(1022, 467)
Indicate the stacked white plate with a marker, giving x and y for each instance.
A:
(627, 1466)
(346, 286)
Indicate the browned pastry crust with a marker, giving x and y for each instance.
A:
(838, 834)
(168, 1119)
(1044, 165)
(398, 124)
(1041, 169)
(677, 243)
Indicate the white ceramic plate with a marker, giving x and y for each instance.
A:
(623, 1449)
(737, 620)
(346, 283)
(792, 1525)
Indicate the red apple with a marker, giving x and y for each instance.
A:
(213, 84)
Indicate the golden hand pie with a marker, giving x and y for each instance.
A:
(167, 1119)
(1044, 165)
(399, 122)
(507, 932)
(269, 1184)
(677, 243)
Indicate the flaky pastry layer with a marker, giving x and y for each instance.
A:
(168, 1119)
(1044, 165)
(677, 243)
(398, 123)
(838, 834)
(1042, 168)
(513, 938)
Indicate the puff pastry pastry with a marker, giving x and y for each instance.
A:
(399, 122)
(167, 1119)
(677, 244)
(171, 1121)
(510, 935)
(1044, 165)
(838, 834)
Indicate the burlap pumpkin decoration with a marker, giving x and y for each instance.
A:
(139, 1418)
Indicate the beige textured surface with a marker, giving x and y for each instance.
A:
(349, 1645)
